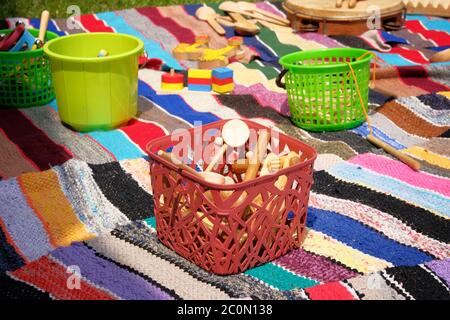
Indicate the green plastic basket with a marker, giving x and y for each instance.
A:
(321, 89)
(25, 77)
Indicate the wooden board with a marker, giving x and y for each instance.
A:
(324, 17)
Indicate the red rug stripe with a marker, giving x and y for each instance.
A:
(92, 24)
(441, 38)
(33, 142)
(411, 55)
(418, 76)
(329, 291)
(142, 133)
(182, 34)
(51, 277)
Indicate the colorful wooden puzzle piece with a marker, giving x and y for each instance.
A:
(222, 80)
(172, 81)
(199, 80)
(209, 58)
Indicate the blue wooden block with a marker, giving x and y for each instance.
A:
(199, 87)
(222, 73)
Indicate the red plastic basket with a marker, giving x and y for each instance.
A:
(210, 225)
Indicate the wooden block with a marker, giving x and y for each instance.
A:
(222, 73)
(199, 73)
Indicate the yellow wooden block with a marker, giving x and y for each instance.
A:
(224, 88)
(199, 73)
(171, 86)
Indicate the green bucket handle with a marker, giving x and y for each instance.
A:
(279, 77)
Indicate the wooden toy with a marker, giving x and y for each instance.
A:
(45, 16)
(209, 58)
(186, 51)
(222, 80)
(210, 177)
(258, 154)
(251, 7)
(199, 80)
(428, 7)
(235, 133)
(323, 16)
(442, 56)
(242, 26)
(208, 14)
(172, 81)
(215, 58)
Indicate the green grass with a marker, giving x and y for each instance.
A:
(58, 8)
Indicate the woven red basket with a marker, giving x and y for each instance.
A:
(228, 229)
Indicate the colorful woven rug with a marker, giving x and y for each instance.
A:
(81, 204)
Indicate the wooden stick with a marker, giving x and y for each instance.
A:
(415, 165)
(45, 16)
(441, 56)
(258, 154)
(217, 156)
(178, 163)
(216, 26)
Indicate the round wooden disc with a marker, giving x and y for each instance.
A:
(327, 8)
(235, 133)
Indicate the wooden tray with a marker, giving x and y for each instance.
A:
(322, 15)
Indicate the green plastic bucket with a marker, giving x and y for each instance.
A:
(95, 93)
(321, 89)
(25, 77)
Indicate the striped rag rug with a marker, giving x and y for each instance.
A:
(73, 203)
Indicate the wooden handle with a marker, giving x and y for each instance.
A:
(45, 16)
(238, 17)
(178, 163)
(258, 154)
(415, 165)
(442, 56)
(217, 27)
(262, 17)
(273, 16)
(219, 154)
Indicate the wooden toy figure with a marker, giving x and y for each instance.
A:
(199, 80)
(172, 81)
(210, 58)
(222, 80)
(186, 51)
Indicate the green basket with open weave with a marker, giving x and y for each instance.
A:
(25, 76)
(322, 87)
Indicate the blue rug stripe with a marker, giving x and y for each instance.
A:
(363, 238)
